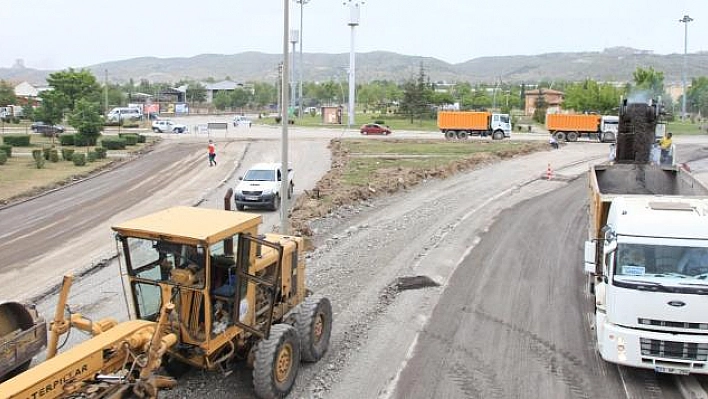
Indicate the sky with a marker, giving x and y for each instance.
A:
(53, 34)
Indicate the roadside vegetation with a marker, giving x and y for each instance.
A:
(42, 163)
(364, 169)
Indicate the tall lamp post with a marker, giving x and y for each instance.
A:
(284, 224)
(302, 65)
(294, 38)
(685, 20)
(354, 8)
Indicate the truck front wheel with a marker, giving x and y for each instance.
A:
(497, 135)
(607, 137)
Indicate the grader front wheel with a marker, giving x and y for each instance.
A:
(277, 362)
(313, 321)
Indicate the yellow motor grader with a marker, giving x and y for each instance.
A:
(204, 290)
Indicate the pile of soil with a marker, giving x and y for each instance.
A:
(331, 192)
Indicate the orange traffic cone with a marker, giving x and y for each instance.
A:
(549, 172)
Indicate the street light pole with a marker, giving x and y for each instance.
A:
(353, 23)
(284, 223)
(302, 65)
(685, 20)
(294, 38)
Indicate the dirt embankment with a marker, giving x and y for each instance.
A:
(332, 192)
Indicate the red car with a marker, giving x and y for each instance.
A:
(374, 128)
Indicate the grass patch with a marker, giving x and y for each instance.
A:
(363, 169)
(687, 128)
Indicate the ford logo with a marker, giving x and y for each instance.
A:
(677, 304)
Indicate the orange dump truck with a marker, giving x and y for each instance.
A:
(568, 127)
(462, 124)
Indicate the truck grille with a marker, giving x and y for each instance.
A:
(674, 324)
(674, 350)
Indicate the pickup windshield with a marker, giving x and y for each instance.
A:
(259, 175)
(662, 263)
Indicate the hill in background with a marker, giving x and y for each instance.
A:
(611, 65)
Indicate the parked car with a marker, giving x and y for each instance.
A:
(374, 128)
(46, 129)
(240, 120)
(167, 126)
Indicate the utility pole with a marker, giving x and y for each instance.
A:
(105, 92)
(294, 38)
(354, 9)
(302, 65)
(685, 20)
(284, 223)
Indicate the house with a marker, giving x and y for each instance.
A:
(553, 99)
(26, 90)
(226, 85)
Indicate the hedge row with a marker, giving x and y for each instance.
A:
(114, 144)
(3, 158)
(6, 149)
(16, 140)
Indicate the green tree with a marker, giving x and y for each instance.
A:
(75, 85)
(240, 97)
(86, 119)
(222, 100)
(416, 96)
(265, 93)
(7, 94)
(649, 81)
(697, 96)
(53, 106)
(539, 114)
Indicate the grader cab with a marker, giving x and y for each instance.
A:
(237, 294)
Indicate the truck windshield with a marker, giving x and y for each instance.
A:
(259, 175)
(662, 261)
(504, 118)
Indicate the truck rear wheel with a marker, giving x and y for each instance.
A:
(462, 135)
(313, 322)
(277, 362)
(560, 136)
(449, 134)
(572, 136)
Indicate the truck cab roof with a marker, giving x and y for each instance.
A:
(656, 216)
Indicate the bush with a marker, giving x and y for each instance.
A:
(66, 139)
(113, 144)
(130, 139)
(141, 138)
(67, 153)
(92, 156)
(37, 154)
(3, 158)
(53, 155)
(17, 140)
(38, 158)
(46, 151)
(84, 141)
(6, 149)
(101, 152)
(79, 159)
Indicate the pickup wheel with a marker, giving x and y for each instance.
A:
(276, 203)
(239, 207)
(290, 190)
(156, 130)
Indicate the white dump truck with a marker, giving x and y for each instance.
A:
(647, 256)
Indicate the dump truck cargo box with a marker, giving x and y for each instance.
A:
(572, 123)
(462, 120)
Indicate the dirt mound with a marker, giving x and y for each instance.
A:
(331, 192)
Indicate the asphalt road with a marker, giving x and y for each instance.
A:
(514, 320)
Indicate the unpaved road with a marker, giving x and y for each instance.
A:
(503, 314)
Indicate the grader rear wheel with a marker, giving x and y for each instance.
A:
(277, 362)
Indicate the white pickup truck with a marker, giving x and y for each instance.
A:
(167, 126)
(260, 187)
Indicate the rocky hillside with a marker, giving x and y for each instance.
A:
(615, 64)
